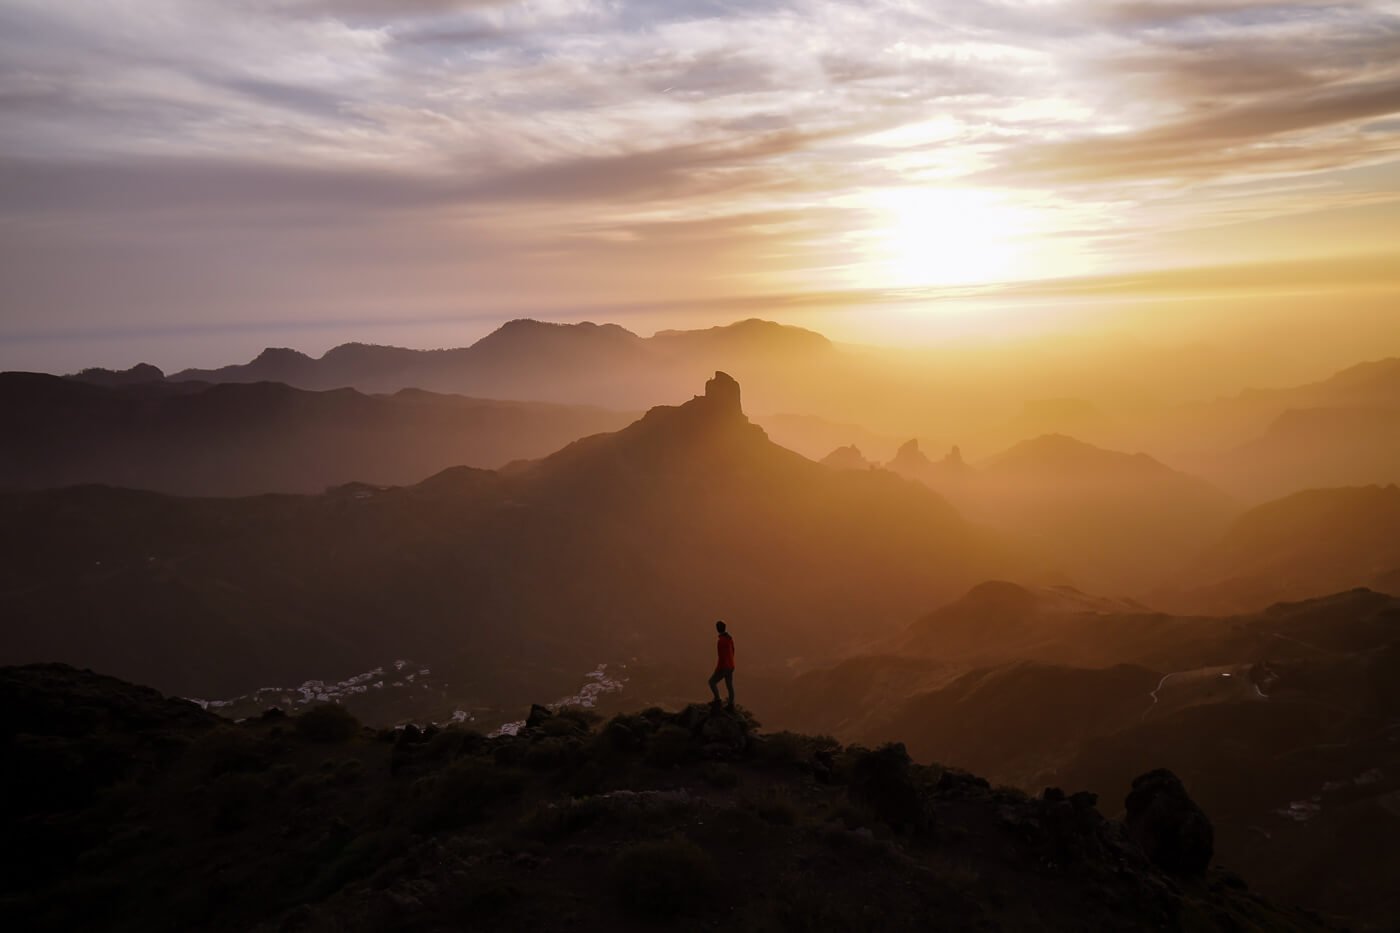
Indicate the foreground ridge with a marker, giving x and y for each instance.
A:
(133, 811)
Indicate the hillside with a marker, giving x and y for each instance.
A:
(1099, 519)
(176, 819)
(196, 439)
(619, 547)
(1310, 448)
(1284, 721)
(1308, 544)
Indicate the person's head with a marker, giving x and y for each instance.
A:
(719, 627)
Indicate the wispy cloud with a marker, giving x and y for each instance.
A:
(589, 132)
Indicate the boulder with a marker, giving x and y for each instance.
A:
(1167, 824)
(884, 781)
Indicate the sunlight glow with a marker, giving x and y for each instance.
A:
(945, 236)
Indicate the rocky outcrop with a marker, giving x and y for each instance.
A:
(723, 393)
(1167, 824)
(846, 458)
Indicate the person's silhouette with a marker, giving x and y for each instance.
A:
(724, 667)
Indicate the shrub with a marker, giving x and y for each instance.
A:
(453, 743)
(662, 880)
(361, 856)
(553, 753)
(464, 792)
(228, 749)
(789, 749)
(327, 722)
(776, 807)
(553, 821)
(581, 718)
(718, 775)
(670, 746)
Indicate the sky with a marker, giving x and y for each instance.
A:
(186, 181)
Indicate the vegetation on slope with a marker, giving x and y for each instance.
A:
(135, 812)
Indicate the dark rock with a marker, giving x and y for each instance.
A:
(622, 735)
(537, 717)
(1052, 795)
(1084, 800)
(723, 392)
(883, 780)
(1167, 824)
(961, 784)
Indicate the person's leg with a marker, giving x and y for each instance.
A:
(728, 685)
(714, 680)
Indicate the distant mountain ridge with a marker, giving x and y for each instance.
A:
(230, 439)
(1104, 519)
(525, 359)
(1301, 546)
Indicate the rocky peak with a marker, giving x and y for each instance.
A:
(846, 458)
(723, 394)
(909, 457)
(955, 457)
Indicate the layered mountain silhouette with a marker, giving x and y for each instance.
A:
(193, 438)
(619, 545)
(814, 396)
(1283, 719)
(1106, 520)
(601, 364)
(1266, 443)
(1305, 545)
(847, 458)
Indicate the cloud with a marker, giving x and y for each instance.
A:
(619, 129)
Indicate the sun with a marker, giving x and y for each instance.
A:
(946, 236)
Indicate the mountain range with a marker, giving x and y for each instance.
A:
(198, 439)
(1283, 720)
(603, 364)
(617, 546)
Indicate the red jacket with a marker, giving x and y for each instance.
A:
(726, 653)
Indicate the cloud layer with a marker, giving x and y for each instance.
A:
(209, 161)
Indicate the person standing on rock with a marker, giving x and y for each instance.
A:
(724, 668)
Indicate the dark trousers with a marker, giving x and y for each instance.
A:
(726, 675)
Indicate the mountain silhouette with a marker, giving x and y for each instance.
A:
(1301, 546)
(601, 364)
(677, 819)
(846, 458)
(1280, 720)
(247, 439)
(137, 375)
(1106, 520)
(1309, 448)
(608, 549)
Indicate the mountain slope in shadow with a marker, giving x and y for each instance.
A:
(625, 545)
(246, 439)
(1282, 721)
(177, 819)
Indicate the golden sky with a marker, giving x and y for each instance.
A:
(188, 180)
